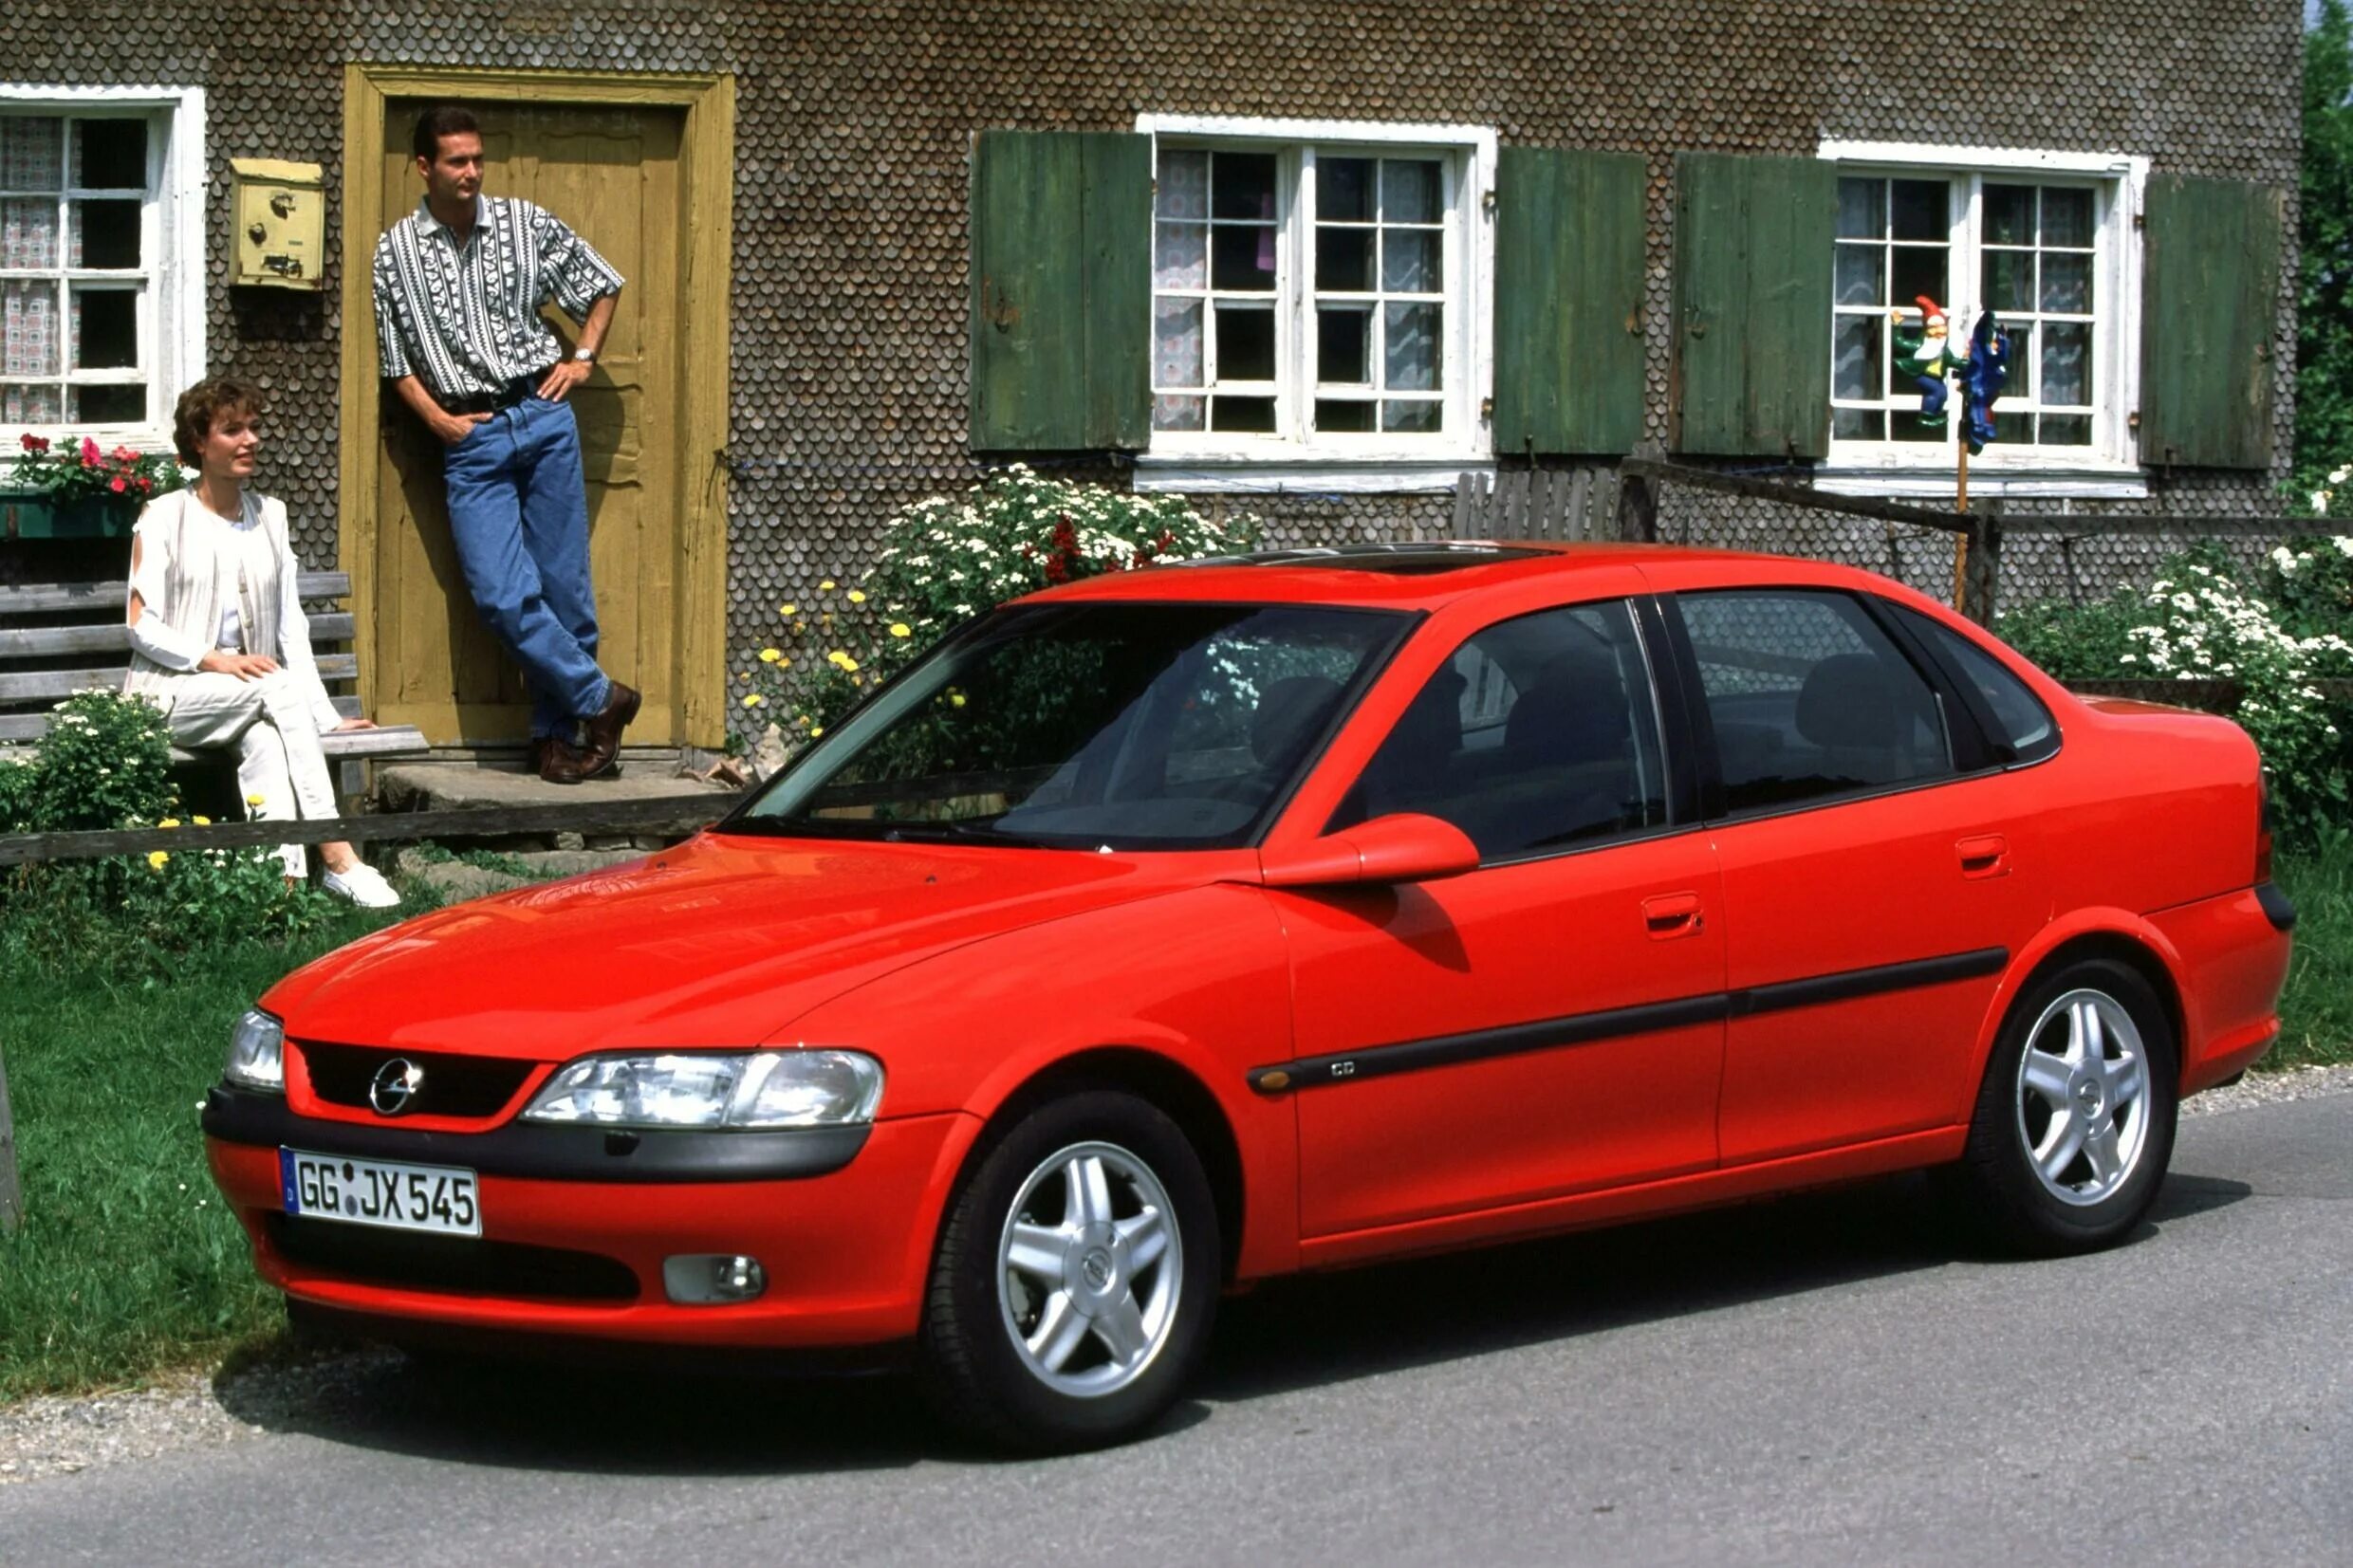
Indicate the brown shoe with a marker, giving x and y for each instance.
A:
(559, 763)
(605, 727)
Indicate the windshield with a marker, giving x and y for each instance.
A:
(1121, 725)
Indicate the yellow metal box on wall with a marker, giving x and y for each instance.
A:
(281, 227)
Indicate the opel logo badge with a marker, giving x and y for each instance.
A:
(395, 1086)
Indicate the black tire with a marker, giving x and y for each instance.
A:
(976, 1370)
(2004, 1194)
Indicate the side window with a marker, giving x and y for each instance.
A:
(1809, 698)
(1539, 733)
(2020, 720)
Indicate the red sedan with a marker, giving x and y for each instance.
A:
(1170, 931)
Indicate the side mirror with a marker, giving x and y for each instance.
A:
(1406, 847)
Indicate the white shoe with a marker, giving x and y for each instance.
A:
(364, 886)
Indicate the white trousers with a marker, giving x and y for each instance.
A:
(267, 722)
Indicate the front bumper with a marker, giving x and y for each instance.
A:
(575, 1228)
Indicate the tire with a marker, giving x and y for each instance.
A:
(1075, 1278)
(2063, 1158)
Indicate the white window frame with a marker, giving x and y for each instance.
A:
(2110, 466)
(172, 323)
(1207, 461)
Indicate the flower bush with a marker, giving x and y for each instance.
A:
(943, 560)
(69, 472)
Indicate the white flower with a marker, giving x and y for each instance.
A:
(2338, 476)
(2320, 501)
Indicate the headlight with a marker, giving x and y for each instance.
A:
(759, 1089)
(257, 1053)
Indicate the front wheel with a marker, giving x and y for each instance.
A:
(1076, 1277)
(2074, 1124)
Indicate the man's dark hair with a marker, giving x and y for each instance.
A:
(201, 407)
(440, 120)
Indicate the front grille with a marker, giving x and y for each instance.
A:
(454, 1086)
(463, 1265)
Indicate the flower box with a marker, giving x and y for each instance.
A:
(26, 514)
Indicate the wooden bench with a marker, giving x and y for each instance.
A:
(62, 637)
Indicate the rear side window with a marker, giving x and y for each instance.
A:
(1540, 733)
(1809, 698)
(2020, 720)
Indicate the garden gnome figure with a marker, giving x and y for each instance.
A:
(1928, 357)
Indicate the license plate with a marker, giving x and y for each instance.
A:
(435, 1198)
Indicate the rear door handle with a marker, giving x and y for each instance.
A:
(1984, 854)
(1671, 915)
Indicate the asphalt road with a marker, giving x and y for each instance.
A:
(1831, 1378)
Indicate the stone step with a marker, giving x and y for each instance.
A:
(485, 785)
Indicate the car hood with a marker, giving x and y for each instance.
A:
(720, 941)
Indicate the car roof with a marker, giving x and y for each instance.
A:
(1423, 575)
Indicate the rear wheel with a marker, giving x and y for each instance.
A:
(1075, 1278)
(2074, 1124)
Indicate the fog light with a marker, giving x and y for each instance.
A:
(708, 1279)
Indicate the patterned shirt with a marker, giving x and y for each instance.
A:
(465, 318)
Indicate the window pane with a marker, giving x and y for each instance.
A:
(1862, 209)
(1180, 412)
(2067, 217)
(31, 405)
(2019, 717)
(1907, 427)
(2066, 363)
(2066, 283)
(1412, 415)
(1857, 424)
(2010, 214)
(1809, 698)
(1410, 261)
(1344, 189)
(1861, 269)
(105, 235)
(1180, 256)
(1242, 257)
(1921, 209)
(1409, 191)
(1176, 343)
(1856, 368)
(1537, 734)
(2013, 428)
(2010, 280)
(28, 232)
(1413, 359)
(1920, 269)
(1242, 185)
(1244, 343)
(1343, 261)
(105, 329)
(1335, 416)
(30, 333)
(31, 152)
(110, 154)
(2021, 357)
(109, 405)
(2066, 430)
(1343, 346)
(1250, 415)
(1183, 179)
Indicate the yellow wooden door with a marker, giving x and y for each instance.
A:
(612, 172)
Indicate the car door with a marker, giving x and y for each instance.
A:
(1877, 879)
(1551, 1021)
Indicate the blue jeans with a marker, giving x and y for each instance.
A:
(519, 516)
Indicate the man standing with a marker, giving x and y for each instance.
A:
(458, 287)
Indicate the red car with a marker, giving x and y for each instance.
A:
(1170, 931)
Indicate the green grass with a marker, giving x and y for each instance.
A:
(127, 1263)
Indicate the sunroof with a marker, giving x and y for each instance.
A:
(1418, 559)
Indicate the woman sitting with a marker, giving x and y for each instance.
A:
(219, 638)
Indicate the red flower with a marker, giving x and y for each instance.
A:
(116, 483)
(145, 485)
(90, 453)
(36, 443)
(124, 454)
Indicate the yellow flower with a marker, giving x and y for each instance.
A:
(856, 597)
(826, 585)
(156, 858)
(769, 656)
(899, 629)
(956, 698)
(819, 730)
(169, 822)
(787, 609)
(843, 662)
(204, 821)
(754, 699)
(252, 800)
(784, 664)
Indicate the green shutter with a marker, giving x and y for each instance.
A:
(2209, 306)
(1062, 291)
(1569, 301)
(1751, 369)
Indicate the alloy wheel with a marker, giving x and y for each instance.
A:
(2082, 1097)
(1090, 1268)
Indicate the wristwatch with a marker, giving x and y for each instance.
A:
(586, 356)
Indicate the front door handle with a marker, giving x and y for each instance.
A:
(1671, 915)
(1984, 854)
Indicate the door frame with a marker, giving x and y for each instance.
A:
(706, 190)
